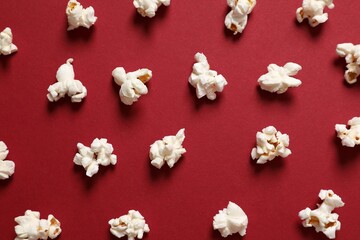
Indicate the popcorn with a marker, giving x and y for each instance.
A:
(132, 84)
(7, 167)
(231, 220)
(270, 144)
(313, 10)
(148, 8)
(31, 227)
(99, 153)
(66, 84)
(351, 53)
(131, 225)
(236, 19)
(279, 79)
(168, 150)
(6, 45)
(206, 81)
(349, 137)
(78, 16)
(321, 218)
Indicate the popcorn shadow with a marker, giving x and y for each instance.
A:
(80, 33)
(315, 32)
(346, 155)
(89, 182)
(4, 60)
(199, 103)
(6, 182)
(52, 106)
(310, 233)
(274, 165)
(146, 23)
(268, 96)
(165, 172)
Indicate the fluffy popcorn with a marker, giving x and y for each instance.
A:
(322, 218)
(349, 137)
(206, 81)
(132, 225)
(78, 16)
(279, 79)
(237, 18)
(148, 8)
(351, 53)
(132, 84)
(99, 153)
(66, 84)
(168, 150)
(231, 220)
(7, 167)
(6, 45)
(270, 144)
(313, 10)
(31, 227)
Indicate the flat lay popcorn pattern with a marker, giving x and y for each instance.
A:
(132, 225)
(313, 10)
(148, 8)
(7, 167)
(351, 53)
(349, 136)
(237, 18)
(6, 42)
(78, 16)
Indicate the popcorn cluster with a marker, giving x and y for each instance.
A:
(168, 150)
(66, 84)
(99, 153)
(270, 144)
(231, 220)
(237, 18)
(6, 45)
(78, 16)
(31, 227)
(132, 84)
(313, 10)
(279, 79)
(132, 225)
(322, 218)
(351, 53)
(206, 81)
(349, 137)
(148, 8)
(7, 167)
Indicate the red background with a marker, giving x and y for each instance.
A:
(177, 203)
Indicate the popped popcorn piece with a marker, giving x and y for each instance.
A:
(279, 79)
(349, 137)
(270, 144)
(168, 150)
(66, 84)
(132, 84)
(351, 53)
(322, 218)
(231, 220)
(206, 81)
(237, 18)
(31, 227)
(7, 167)
(99, 153)
(132, 225)
(148, 8)
(313, 10)
(78, 16)
(6, 45)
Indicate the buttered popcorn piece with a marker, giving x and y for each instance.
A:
(148, 8)
(7, 167)
(237, 18)
(132, 225)
(279, 79)
(168, 150)
(351, 53)
(99, 153)
(78, 16)
(231, 220)
(349, 137)
(6, 45)
(206, 81)
(313, 10)
(322, 218)
(132, 84)
(270, 144)
(31, 227)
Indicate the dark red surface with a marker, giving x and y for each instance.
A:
(177, 203)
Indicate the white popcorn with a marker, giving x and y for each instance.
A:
(99, 153)
(279, 79)
(66, 84)
(206, 81)
(349, 137)
(322, 218)
(7, 167)
(78, 16)
(351, 53)
(313, 10)
(168, 150)
(148, 8)
(132, 225)
(231, 220)
(270, 144)
(6, 45)
(132, 84)
(237, 18)
(31, 227)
